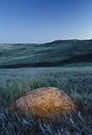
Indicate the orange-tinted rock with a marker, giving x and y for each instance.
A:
(45, 102)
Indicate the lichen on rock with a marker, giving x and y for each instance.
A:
(45, 103)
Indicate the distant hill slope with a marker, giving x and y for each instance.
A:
(57, 53)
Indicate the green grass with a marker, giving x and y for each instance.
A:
(65, 64)
(57, 53)
(75, 81)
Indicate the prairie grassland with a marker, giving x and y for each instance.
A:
(65, 64)
(75, 81)
(54, 54)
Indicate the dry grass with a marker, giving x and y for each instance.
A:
(12, 123)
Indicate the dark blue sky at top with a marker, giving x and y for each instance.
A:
(44, 20)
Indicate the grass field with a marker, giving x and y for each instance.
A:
(54, 54)
(62, 64)
(15, 82)
(75, 81)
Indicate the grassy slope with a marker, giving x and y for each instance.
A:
(75, 81)
(57, 53)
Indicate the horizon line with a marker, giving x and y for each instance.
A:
(47, 41)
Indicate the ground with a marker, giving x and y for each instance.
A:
(74, 81)
(65, 64)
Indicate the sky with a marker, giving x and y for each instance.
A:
(39, 21)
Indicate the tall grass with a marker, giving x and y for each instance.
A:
(76, 82)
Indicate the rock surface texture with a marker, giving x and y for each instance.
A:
(45, 103)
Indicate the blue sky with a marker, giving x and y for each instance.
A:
(37, 21)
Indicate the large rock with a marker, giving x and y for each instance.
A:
(45, 102)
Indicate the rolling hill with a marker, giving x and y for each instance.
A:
(52, 54)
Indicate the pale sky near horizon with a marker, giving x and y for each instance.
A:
(38, 21)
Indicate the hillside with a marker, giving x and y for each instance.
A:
(57, 53)
(57, 66)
